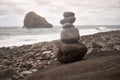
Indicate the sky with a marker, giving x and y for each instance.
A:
(87, 12)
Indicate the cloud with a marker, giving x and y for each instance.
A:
(43, 2)
(9, 8)
(85, 10)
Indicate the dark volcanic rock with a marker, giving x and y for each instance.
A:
(28, 55)
(68, 25)
(32, 20)
(100, 68)
(70, 35)
(68, 20)
(71, 52)
(68, 14)
(99, 43)
(7, 74)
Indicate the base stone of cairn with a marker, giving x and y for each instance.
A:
(71, 52)
(70, 49)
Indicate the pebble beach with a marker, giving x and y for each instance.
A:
(18, 62)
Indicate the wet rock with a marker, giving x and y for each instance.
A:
(71, 52)
(70, 35)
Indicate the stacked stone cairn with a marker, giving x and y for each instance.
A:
(70, 49)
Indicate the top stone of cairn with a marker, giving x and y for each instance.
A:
(68, 14)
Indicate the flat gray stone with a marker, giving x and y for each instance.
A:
(70, 35)
(67, 25)
(68, 14)
(68, 20)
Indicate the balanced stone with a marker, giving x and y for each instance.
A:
(68, 14)
(70, 35)
(68, 20)
(71, 52)
(69, 48)
(67, 25)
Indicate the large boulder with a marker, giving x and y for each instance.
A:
(71, 52)
(32, 20)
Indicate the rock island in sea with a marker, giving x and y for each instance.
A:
(33, 20)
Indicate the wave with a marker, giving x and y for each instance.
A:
(27, 39)
(101, 28)
(18, 37)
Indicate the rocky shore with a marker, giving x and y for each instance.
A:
(29, 62)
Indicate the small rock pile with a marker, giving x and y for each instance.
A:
(70, 49)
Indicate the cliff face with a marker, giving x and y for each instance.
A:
(32, 20)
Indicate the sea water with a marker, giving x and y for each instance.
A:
(17, 36)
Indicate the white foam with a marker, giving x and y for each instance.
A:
(18, 40)
(88, 31)
(27, 39)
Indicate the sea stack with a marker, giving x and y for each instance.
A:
(70, 49)
(33, 20)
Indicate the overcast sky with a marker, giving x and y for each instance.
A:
(87, 12)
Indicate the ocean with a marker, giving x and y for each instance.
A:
(17, 36)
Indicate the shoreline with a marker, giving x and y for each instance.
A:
(54, 40)
(29, 39)
(27, 59)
